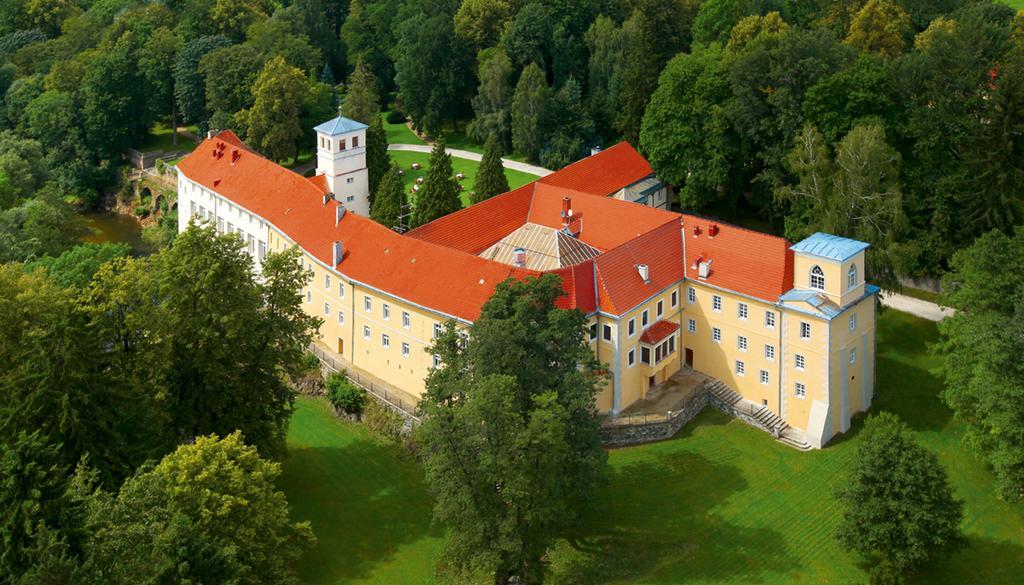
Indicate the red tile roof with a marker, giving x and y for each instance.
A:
(753, 263)
(659, 331)
(320, 182)
(436, 266)
(603, 173)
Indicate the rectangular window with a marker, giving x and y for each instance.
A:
(437, 330)
(691, 295)
(643, 319)
(800, 390)
(741, 343)
(406, 319)
(350, 180)
(262, 252)
(327, 281)
(661, 308)
(805, 330)
(327, 309)
(675, 298)
(341, 317)
(691, 325)
(853, 322)
(437, 361)
(853, 355)
(716, 303)
(341, 144)
(385, 341)
(764, 376)
(366, 332)
(769, 352)
(309, 296)
(799, 362)
(355, 142)
(593, 332)
(341, 290)
(386, 311)
(405, 349)
(607, 333)
(632, 327)
(741, 311)
(631, 356)
(769, 319)
(716, 335)
(741, 368)
(367, 304)
(645, 355)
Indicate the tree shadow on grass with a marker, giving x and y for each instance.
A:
(650, 524)
(364, 501)
(982, 560)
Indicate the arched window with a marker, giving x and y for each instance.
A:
(851, 277)
(817, 278)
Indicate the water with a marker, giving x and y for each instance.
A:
(107, 226)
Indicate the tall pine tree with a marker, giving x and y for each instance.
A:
(528, 107)
(377, 159)
(361, 103)
(440, 193)
(490, 179)
(387, 202)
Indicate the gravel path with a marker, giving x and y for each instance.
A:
(917, 307)
(458, 153)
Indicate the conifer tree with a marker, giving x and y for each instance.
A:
(440, 193)
(361, 101)
(377, 159)
(528, 106)
(490, 179)
(389, 198)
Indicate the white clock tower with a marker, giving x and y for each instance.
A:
(341, 156)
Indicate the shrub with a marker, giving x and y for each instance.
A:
(384, 421)
(141, 210)
(344, 395)
(396, 117)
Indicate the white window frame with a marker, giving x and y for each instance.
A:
(367, 304)
(816, 278)
(716, 335)
(327, 281)
(769, 319)
(851, 277)
(660, 308)
(764, 377)
(366, 332)
(631, 327)
(644, 319)
(769, 352)
(385, 340)
(691, 325)
(438, 330)
(406, 319)
(799, 390)
(853, 322)
(405, 349)
(741, 342)
(691, 295)
(716, 303)
(675, 299)
(799, 362)
(805, 330)
(341, 290)
(437, 361)
(742, 311)
(309, 296)
(327, 309)
(341, 317)
(741, 368)
(606, 333)
(853, 355)
(386, 311)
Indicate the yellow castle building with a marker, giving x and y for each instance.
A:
(789, 328)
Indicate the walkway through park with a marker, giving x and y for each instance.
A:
(917, 307)
(475, 156)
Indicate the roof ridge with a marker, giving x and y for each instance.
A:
(734, 226)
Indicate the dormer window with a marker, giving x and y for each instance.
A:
(817, 278)
(851, 277)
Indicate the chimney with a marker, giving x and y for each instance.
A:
(235, 155)
(326, 198)
(696, 231)
(645, 272)
(337, 253)
(519, 257)
(713, 230)
(704, 269)
(339, 212)
(595, 150)
(566, 210)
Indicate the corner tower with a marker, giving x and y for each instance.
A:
(341, 158)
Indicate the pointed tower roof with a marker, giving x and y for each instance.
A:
(340, 125)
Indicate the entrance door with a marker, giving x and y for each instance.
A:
(341, 346)
(689, 357)
(651, 382)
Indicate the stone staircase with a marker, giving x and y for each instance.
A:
(756, 415)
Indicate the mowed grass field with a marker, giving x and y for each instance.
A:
(719, 503)
(1018, 4)
(404, 160)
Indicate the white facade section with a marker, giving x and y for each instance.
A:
(206, 206)
(341, 158)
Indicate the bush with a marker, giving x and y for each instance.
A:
(344, 395)
(141, 210)
(396, 117)
(382, 420)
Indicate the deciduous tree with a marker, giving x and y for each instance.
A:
(899, 507)
(520, 390)
(361, 103)
(493, 100)
(529, 106)
(189, 86)
(881, 27)
(272, 124)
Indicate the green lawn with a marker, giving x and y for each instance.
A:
(399, 133)
(1018, 4)
(719, 503)
(404, 161)
(365, 498)
(924, 295)
(160, 138)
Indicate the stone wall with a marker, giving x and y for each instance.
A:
(613, 435)
(736, 412)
